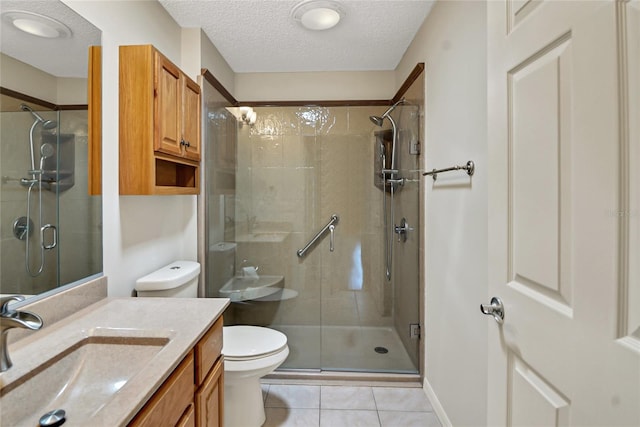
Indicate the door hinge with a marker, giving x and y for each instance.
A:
(414, 330)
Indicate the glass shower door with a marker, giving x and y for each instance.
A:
(30, 200)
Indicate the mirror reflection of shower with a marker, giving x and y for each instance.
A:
(35, 182)
(390, 181)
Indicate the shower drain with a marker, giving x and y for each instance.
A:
(381, 350)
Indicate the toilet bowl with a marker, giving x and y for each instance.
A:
(250, 352)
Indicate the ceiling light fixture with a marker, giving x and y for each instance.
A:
(36, 24)
(318, 14)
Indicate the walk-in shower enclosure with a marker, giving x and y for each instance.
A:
(269, 189)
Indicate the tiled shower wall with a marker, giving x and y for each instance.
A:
(79, 228)
(296, 167)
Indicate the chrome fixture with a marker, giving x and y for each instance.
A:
(46, 124)
(389, 177)
(22, 230)
(9, 319)
(402, 229)
(330, 226)
(317, 14)
(470, 167)
(379, 120)
(54, 418)
(46, 150)
(495, 309)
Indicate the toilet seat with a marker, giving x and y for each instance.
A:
(244, 343)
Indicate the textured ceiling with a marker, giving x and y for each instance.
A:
(253, 35)
(260, 36)
(58, 57)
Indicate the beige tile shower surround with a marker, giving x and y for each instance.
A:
(181, 323)
(296, 167)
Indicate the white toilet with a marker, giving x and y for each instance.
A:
(178, 279)
(250, 352)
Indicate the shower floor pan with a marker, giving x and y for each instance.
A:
(346, 348)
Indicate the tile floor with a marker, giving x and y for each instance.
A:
(337, 406)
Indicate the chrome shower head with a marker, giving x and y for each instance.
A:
(376, 120)
(46, 124)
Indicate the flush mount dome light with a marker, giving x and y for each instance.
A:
(317, 14)
(36, 24)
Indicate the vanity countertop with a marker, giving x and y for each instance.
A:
(180, 323)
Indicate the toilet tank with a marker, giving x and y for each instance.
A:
(178, 279)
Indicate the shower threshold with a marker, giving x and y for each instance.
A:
(344, 351)
(325, 377)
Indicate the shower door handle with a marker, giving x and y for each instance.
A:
(54, 242)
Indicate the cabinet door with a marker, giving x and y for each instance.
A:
(191, 118)
(167, 109)
(210, 398)
(188, 418)
(168, 404)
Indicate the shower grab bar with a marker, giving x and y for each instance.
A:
(330, 226)
(470, 167)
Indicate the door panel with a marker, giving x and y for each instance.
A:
(533, 400)
(190, 122)
(539, 116)
(556, 130)
(168, 114)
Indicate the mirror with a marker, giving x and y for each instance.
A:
(50, 215)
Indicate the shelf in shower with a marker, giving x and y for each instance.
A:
(251, 288)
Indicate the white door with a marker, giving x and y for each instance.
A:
(563, 193)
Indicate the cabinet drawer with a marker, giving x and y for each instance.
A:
(208, 349)
(168, 404)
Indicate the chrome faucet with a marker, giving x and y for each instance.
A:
(10, 318)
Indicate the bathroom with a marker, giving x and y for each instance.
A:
(145, 233)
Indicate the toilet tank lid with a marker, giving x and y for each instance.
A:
(168, 277)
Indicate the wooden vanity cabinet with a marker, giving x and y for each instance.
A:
(159, 125)
(193, 395)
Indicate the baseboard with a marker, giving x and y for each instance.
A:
(342, 378)
(437, 406)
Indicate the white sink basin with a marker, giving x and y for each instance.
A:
(81, 379)
(251, 288)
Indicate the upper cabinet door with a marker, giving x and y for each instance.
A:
(191, 118)
(167, 111)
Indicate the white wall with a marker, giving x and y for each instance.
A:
(26, 79)
(315, 86)
(141, 233)
(452, 43)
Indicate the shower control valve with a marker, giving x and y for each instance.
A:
(402, 229)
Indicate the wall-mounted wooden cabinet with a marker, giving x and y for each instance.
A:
(159, 125)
